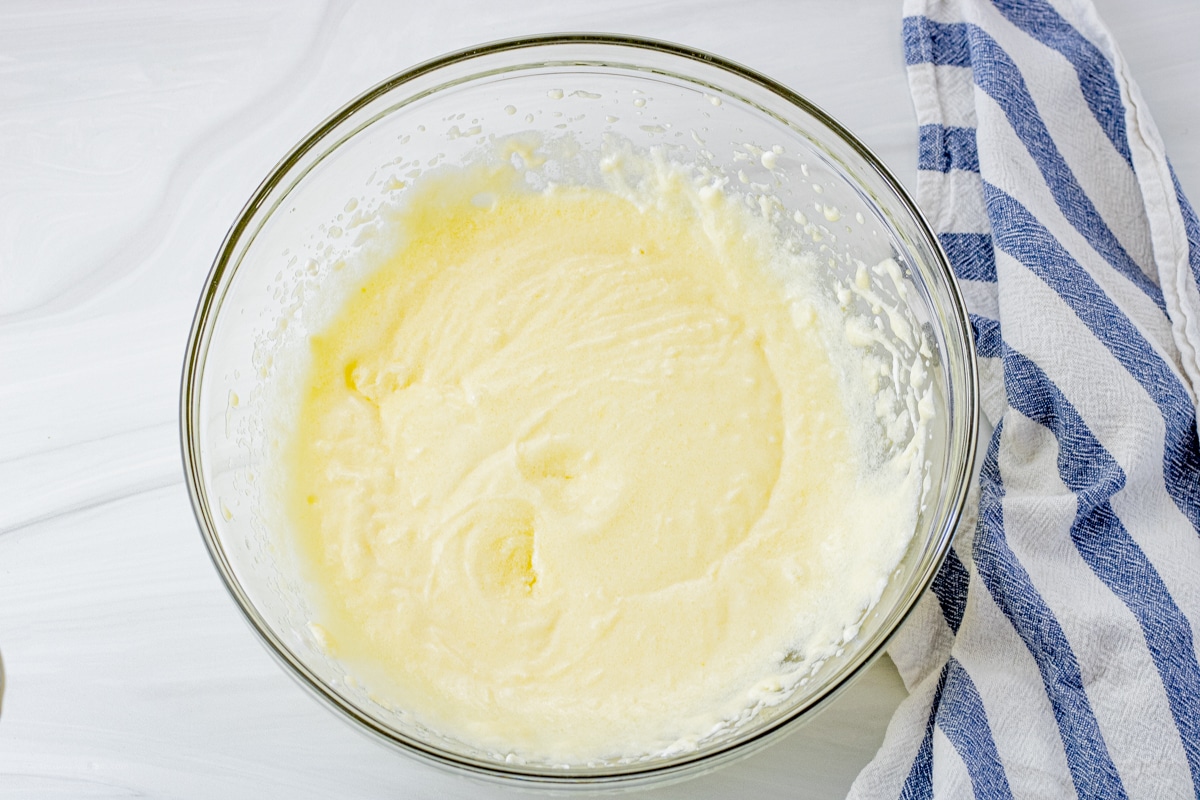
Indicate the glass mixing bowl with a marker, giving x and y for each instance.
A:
(298, 236)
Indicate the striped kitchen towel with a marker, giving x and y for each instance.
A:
(1056, 655)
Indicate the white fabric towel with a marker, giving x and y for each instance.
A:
(1056, 655)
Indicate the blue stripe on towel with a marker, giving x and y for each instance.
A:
(1094, 476)
(942, 148)
(929, 42)
(1091, 766)
(963, 719)
(1191, 225)
(987, 336)
(971, 255)
(1097, 81)
(999, 77)
(919, 783)
(1018, 233)
(950, 588)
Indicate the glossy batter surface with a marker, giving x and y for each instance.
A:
(574, 474)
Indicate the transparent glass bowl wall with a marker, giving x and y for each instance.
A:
(297, 238)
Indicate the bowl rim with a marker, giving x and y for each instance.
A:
(679, 766)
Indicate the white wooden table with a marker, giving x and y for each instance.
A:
(131, 133)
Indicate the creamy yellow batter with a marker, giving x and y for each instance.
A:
(574, 474)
